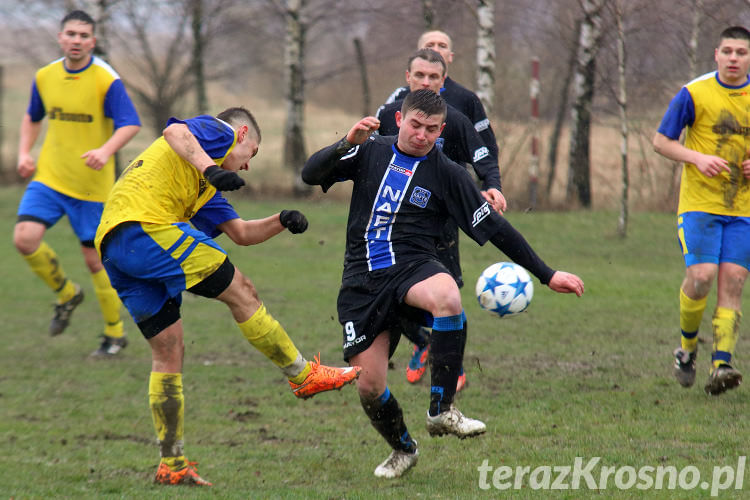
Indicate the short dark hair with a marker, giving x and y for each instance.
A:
(79, 15)
(428, 55)
(735, 33)
(425, 101)
(238, 116)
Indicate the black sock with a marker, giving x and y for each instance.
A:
(388, 419)
(416, 333)
(446, 355)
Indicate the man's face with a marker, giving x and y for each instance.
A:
(245, 149)
(733, 61)
(418, 132)
(439, 42)
(77, 41)
(425, 75)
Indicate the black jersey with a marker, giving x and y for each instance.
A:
(400, 204)
(467, 103)
(459, 141)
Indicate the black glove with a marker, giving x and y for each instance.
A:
(293, 220)
(223, 180)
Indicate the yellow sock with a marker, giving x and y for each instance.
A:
(726, 326)
(691, 314)
(109, 303)
(269, 337)
(45, 264)
(168, 412)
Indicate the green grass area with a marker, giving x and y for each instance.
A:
(572, 377)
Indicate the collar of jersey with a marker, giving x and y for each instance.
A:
(405, 157)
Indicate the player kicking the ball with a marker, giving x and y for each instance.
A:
(404, 190)
(152, 255)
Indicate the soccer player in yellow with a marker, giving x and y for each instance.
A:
(90, 117)
(713, 217)
(152, 255)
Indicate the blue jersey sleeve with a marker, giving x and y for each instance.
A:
(36, 106)
(216, 211)
(119, 107)
(681, 113)
(214, 135)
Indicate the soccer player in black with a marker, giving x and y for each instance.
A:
(403, 191)
(461, 143)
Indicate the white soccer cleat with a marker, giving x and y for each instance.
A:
(397, 463)
(454, 422)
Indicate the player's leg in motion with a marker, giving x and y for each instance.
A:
(691, 313)
(446, 351)
(268, 336)
(726, 327)
(44, 262)
(383, 410)
(113, 338)
(167, 402)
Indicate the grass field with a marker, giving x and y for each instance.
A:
(588, 377)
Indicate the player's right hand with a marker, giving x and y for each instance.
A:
(362, 130)
(294, 220)
(223, 180)
(26, 166)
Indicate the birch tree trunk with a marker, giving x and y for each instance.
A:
(198, 62)
(486, 54)
(363, 76)
(294, 58)
(579, 173)
(694, 34)
(622, 102)
(562, 110)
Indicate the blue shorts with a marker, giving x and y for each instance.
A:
(45, 205)
(149, 264)
(712, 239)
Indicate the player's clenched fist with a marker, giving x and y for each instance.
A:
(293, 220)
(223, 180)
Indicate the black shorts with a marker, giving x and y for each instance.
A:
(371, 303)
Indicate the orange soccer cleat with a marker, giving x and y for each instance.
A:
(188, 475)
(417, 364)
(324, 378)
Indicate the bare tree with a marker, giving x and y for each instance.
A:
(295, 153)
(429, 14)
(486, 54)
(579, 174)
(198, 61)
(622, 101)
(359, 51)
(562, 109)
(694, 35)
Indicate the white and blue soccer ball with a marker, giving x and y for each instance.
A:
(504, 288)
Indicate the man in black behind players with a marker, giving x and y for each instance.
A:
(404, 190)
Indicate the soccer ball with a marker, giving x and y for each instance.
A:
(504, 289)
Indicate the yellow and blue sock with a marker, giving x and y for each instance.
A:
(109, 303)
(691, 314)
(45, 264)
(168, 412)
(269, 337)
(726, 327)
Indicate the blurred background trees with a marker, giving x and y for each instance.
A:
(300, 57)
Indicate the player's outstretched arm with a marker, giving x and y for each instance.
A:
(563, 282)
(251, 232)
